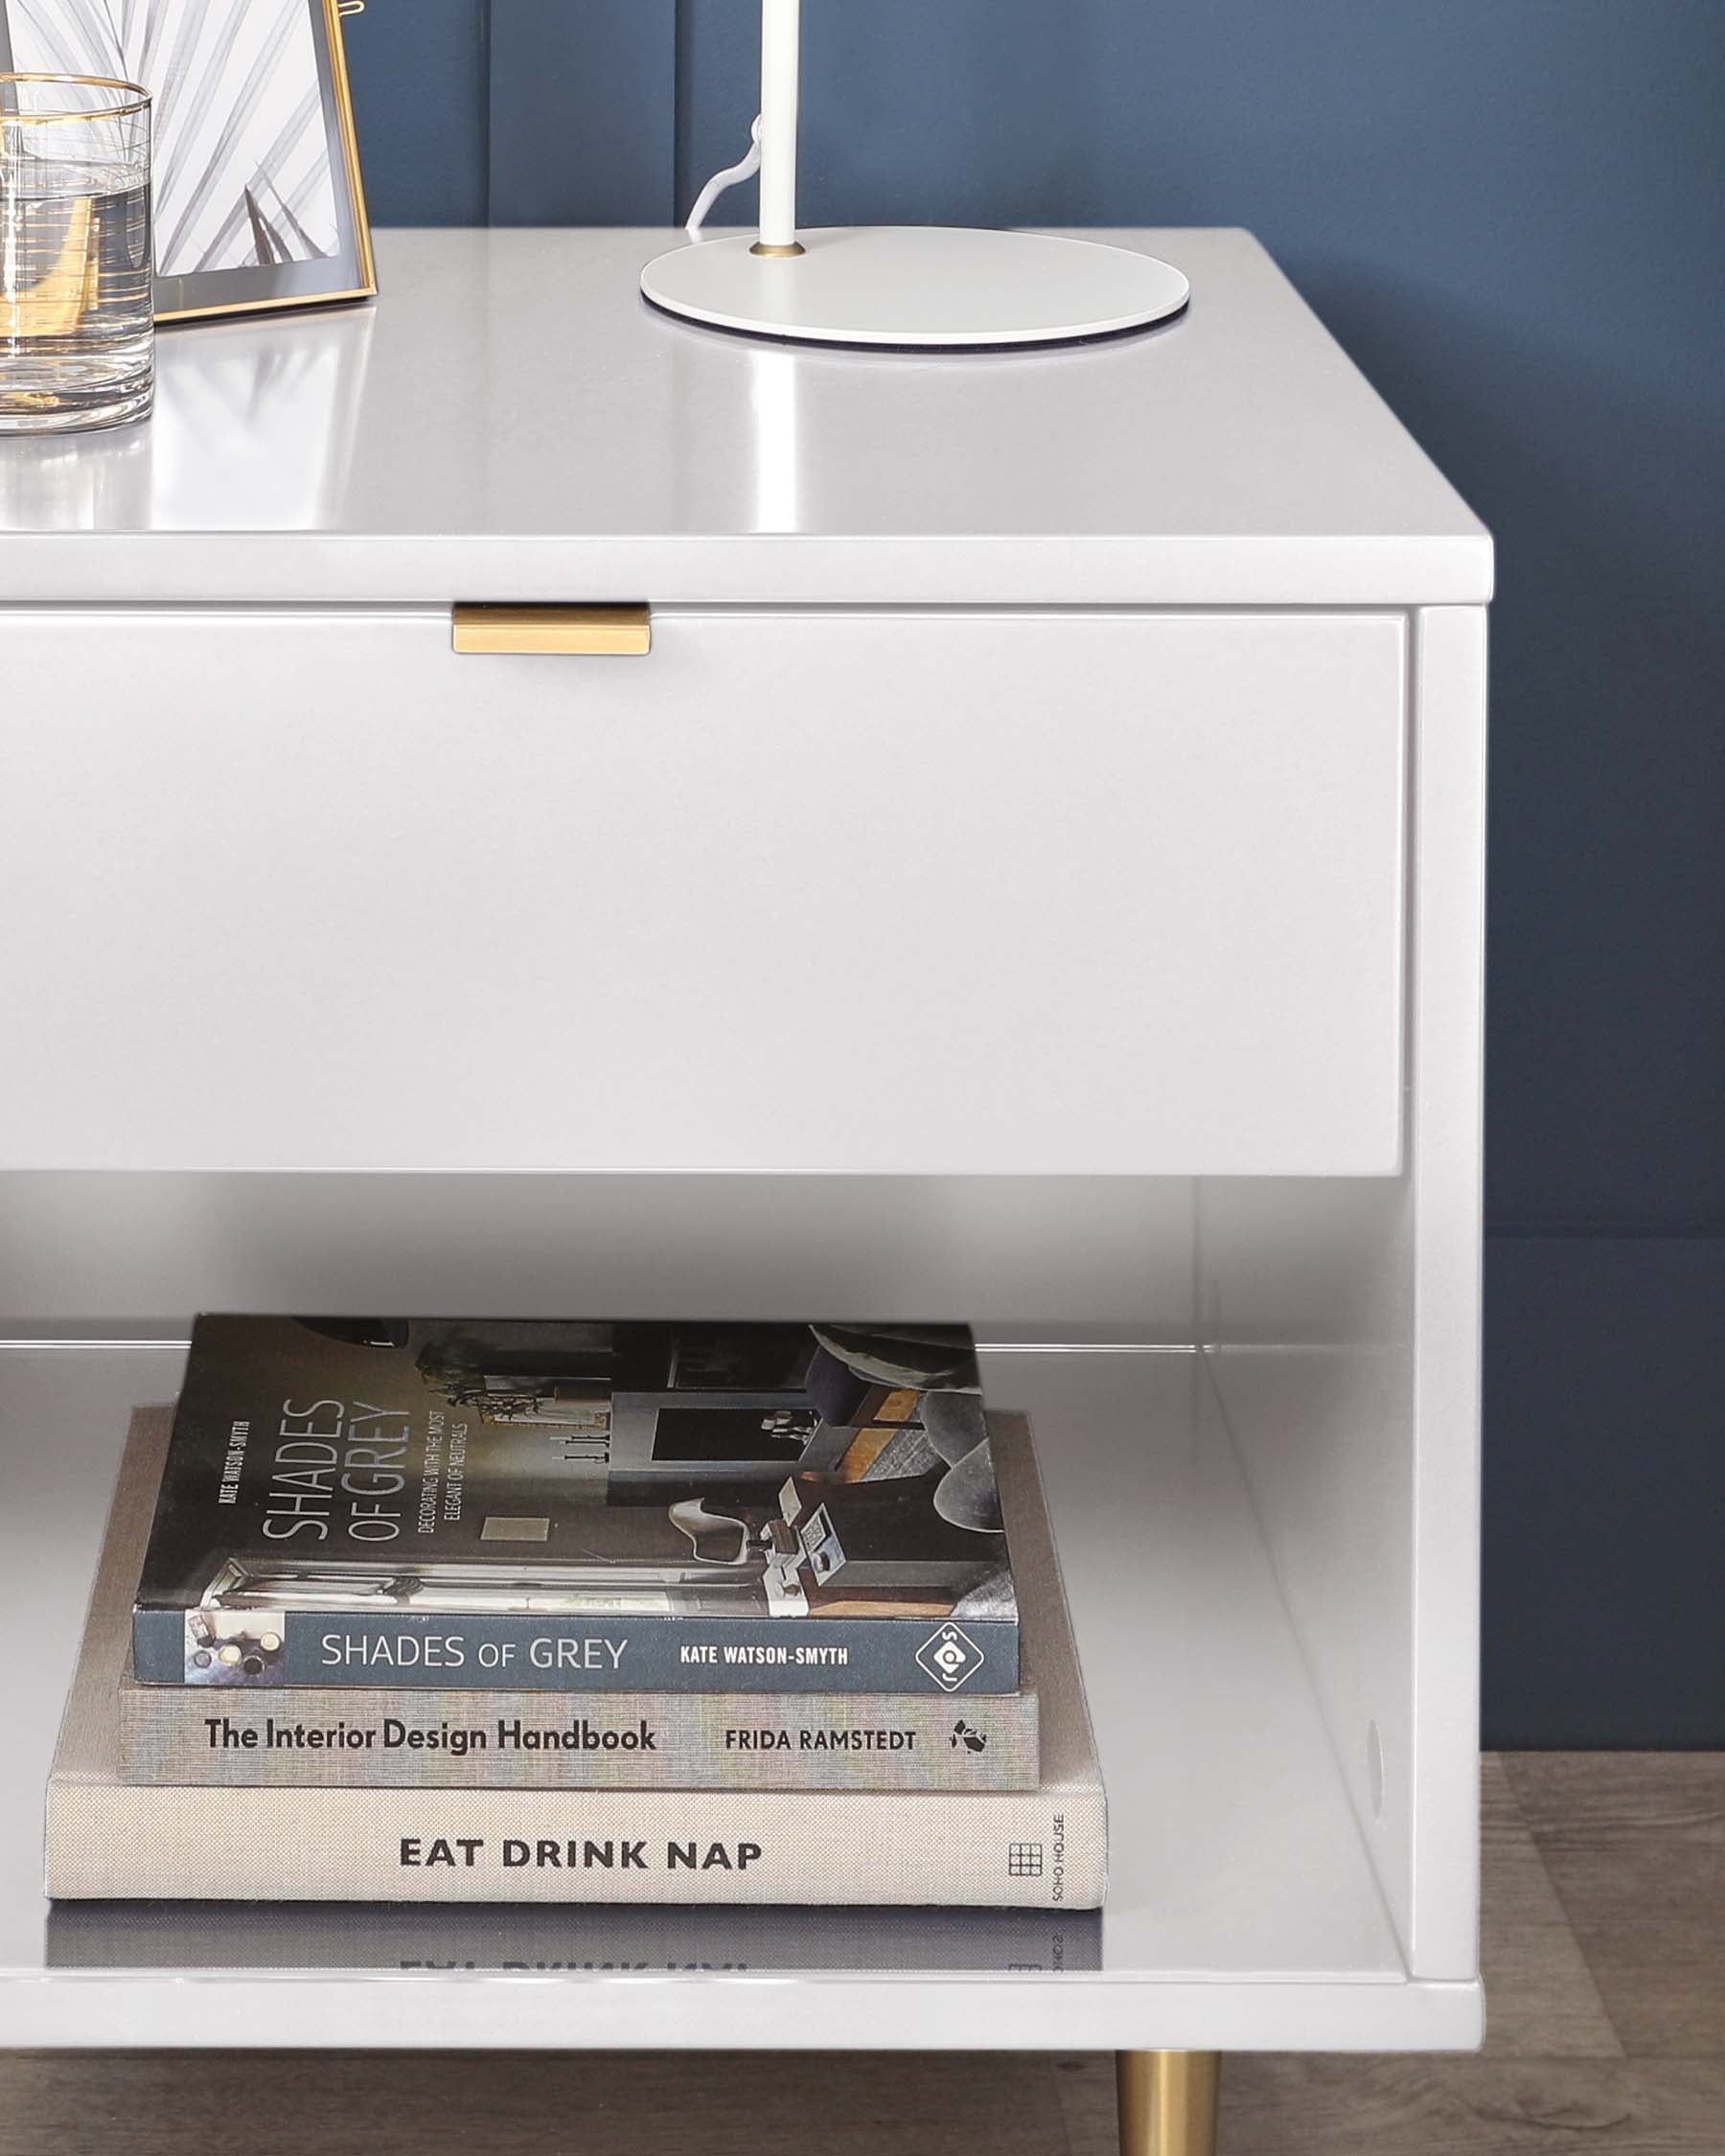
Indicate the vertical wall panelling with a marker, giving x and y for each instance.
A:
(583, 111)
(419, 72)
(1604, 1490)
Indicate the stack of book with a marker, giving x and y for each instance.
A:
(489, 1611)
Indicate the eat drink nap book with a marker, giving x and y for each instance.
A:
(532, 1503)
(110, 1840)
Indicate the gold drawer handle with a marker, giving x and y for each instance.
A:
(565, 631)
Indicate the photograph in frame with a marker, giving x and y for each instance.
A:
(257, 199)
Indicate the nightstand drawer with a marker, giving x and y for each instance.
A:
(858, 891)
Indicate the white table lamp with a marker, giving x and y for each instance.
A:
(915, 285)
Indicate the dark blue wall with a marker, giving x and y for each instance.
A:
(1509, 212)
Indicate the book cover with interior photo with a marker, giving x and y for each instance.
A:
(548, 1504)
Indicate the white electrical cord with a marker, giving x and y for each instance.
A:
(721, 182)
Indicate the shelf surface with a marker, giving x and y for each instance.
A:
(1242, 1911)
(513, 422)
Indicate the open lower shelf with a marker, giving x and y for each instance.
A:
(1243, 1913)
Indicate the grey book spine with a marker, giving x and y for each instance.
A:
(556, 1740)
(589, 1654)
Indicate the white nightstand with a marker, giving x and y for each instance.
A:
(1057, 765)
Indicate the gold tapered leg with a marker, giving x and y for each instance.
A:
(1167, 2102)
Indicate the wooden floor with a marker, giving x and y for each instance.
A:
(1604, 1953)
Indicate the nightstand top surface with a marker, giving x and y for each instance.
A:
(511, 421)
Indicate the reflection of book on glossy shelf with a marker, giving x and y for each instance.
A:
(109, 1839)
(479, 1504)
(519, 1939)
(405, 1738)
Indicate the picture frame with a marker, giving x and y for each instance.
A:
(259, 201)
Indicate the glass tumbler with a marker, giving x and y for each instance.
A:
(77, 321)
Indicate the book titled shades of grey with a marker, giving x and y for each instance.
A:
(547, 1505)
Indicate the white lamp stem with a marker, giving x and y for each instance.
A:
(781, 34)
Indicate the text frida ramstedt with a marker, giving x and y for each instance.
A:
(820, 1740)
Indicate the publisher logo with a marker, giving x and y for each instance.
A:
(1023, 1860)
(951, 1657)
(971, 1737)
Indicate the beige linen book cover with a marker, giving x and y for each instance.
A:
(389, 1738)
(109, 1839)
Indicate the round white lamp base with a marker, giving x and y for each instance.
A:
(917, 286)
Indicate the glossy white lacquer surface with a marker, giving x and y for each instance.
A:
(869, 892)
(1284, 1551)
(1242, 1910)
(1342, 1322)
(1026, 1257)
(513, 420)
